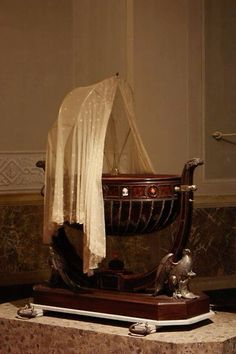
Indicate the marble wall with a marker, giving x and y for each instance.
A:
(212, 242)
(24, 259)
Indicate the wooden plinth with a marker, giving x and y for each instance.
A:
(125, 304)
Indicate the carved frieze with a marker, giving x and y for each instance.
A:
(18, 172)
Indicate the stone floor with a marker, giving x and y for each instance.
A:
(72, 334)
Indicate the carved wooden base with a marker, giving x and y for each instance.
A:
(145, 306)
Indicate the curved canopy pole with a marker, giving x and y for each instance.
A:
(186, 190)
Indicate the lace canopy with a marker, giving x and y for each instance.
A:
(95, 133)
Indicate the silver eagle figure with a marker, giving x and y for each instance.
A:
(173, 277)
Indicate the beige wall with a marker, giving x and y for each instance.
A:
(49, 47)
(220, 87)
(99, 39)
(36, 69)
(160, 76)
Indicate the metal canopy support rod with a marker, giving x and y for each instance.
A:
(219, 135)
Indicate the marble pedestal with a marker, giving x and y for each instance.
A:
(76, 335)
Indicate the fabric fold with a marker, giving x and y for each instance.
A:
(80, 138)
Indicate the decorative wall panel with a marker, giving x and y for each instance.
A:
(18, 172)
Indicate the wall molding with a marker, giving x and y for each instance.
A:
(18, 172)
(213, 283)
(21, 181)
(30, 277)
(21, 199)
(215, 201)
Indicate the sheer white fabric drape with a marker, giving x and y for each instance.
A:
(77, 144)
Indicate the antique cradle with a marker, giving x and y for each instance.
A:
(99, 180)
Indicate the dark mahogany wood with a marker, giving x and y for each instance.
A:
(125, 304)
(139, 204)
(186, 209)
